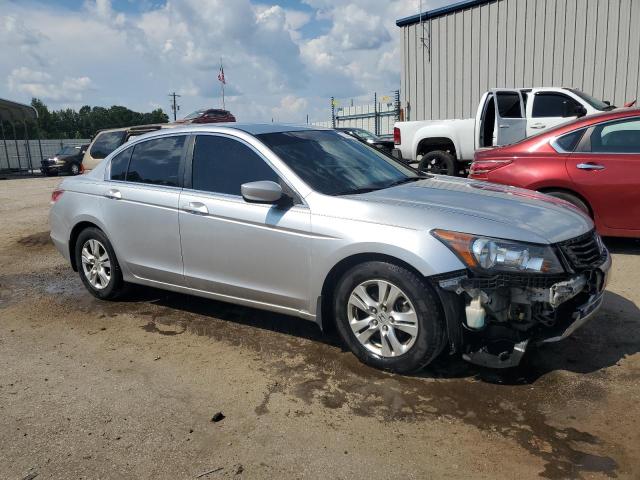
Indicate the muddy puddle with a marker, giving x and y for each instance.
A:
(314, 369)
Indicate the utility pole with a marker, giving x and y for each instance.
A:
(174, 106)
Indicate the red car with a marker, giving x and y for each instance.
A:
(209, 115)
(593, 162)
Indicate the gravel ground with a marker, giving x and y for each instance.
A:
(92, 389)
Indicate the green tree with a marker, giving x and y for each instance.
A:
(84, 123)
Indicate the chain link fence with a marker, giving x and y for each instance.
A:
(377, 117)
(25, 156)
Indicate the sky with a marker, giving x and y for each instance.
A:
(282, 60)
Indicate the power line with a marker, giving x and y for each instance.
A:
(174, 105)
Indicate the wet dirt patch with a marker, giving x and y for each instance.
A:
(168, 330)
(313, 368)
(36, 240)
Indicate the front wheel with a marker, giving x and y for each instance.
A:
(389, 317)
(74, 169)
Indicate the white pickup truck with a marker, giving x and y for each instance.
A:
(504, 116)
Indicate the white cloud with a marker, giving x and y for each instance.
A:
(41, 84)
(275, 66)
(292, 108)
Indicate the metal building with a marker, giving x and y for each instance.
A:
(452, 55)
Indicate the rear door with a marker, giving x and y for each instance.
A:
(249, 251)
(546, 110)
(510, 115)
(606, 168)
(141, 208)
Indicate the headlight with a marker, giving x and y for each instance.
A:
(495, 254)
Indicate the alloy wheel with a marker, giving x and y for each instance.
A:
(382, 318)
(96, 264)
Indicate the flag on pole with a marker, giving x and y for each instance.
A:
(221, 75)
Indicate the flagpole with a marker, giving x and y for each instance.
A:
(222, 84)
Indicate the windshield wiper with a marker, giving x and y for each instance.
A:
(356, 191)
(407, 180)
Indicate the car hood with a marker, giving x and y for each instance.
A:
(485, 208)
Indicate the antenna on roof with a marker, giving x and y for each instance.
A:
(425, 39)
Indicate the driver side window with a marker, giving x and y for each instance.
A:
(552, 105)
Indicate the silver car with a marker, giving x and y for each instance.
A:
(313, 223)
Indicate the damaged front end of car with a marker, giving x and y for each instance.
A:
(514, 294)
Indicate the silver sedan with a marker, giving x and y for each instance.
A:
(313, 223)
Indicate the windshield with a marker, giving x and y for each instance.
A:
(336, 164)
(194, 115)
(68, 151)
(594, 102)
(364, 134)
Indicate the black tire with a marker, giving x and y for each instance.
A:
(431, 337)
(74, 169)
(438, 162)
(571, 199)
(116, 286)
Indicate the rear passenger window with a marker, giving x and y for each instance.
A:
(509, 105)
(569, 141)
(617, 137)
(106, 143)
(157, 161)
(222, 165)
(119, 164)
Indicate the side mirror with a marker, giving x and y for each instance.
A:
(580, 111)
(264, 191)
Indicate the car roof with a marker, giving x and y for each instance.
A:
(582, 122)
(250, 128)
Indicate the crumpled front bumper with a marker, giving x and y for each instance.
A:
(575, 315)
(584, 312)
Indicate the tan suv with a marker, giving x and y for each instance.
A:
(106, 141)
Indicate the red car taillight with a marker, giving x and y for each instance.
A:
(482, 167)
(397, 138)
(55, 195)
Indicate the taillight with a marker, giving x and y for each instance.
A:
(481, 167)
(81, 168)
(397, 138)
(55, 195)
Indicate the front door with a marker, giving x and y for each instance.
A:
(249, 251)
(141, 208)
(606, 168)
(548, 110)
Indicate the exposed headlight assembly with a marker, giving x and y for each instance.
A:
(498, 255)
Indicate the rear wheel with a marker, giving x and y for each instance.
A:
(97, 265)
(438, 162)
(389, 317)
(571, 199)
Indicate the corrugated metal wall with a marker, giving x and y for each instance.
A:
(593, 45)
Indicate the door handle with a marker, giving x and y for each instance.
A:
(590, 166)
(113, 194)
(538, 126)
(504, 126)
(196, 207)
